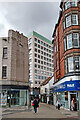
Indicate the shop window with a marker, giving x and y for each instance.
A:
(4, 72)
(69, 41)
(5, 52)
(77, 63)
(66, 95)
(70, 64)
(76, 39)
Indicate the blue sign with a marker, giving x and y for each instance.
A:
(68, 86)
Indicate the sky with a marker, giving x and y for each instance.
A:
(26, 17)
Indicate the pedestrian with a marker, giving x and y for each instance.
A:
(72, 104)
(35, 105)
(58, 105)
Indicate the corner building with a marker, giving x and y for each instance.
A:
(14, 71)
(66, 44)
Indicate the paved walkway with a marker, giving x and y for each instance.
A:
(44, 111)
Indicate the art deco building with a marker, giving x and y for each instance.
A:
(14, 69)
(66, 44)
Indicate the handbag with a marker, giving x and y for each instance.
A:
(32, 104)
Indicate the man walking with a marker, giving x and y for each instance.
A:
(35, 105)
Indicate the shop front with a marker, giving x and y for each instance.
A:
(14, 97)
(66, 91)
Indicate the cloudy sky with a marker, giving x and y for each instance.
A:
(28, 16)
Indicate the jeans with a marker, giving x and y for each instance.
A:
(35, 110)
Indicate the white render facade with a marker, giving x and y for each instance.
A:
(40, 59)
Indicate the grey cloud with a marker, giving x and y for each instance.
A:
(29, 16)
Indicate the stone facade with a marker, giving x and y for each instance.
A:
(16, 60)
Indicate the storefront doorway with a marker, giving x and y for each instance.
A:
(73, 95)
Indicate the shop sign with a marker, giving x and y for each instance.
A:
(3, 99)
(68, 86)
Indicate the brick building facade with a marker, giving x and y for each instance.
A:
(66, 43)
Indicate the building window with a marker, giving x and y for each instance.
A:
(35, 71)
(38, 41)
(35, 82)
(65, 44)
(77, 63)
(35, 39)
(35, 60)
(35, 50)
(74, 19)
(38, 61)
(65, 66)
(35, 65)
(67, 5)
(76, 39)
(38, 56)
(69, 41)
(41, 67)
(4, 72)
(38, 46)
(41, 57)
(35, 55)
(41, 43)
(5, 52)
(70, 64)
(35, 45)
(74, 4)
(41, 47)
(38, 66)
(41, 52)
(38, 51)
(68, 21)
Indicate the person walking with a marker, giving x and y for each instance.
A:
(35, 105)
(72, 104)
(58, 105)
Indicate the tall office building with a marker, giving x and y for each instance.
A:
(40, 60)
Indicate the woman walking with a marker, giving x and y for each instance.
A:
(35, 105)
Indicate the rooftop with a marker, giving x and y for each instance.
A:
(39, 36)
